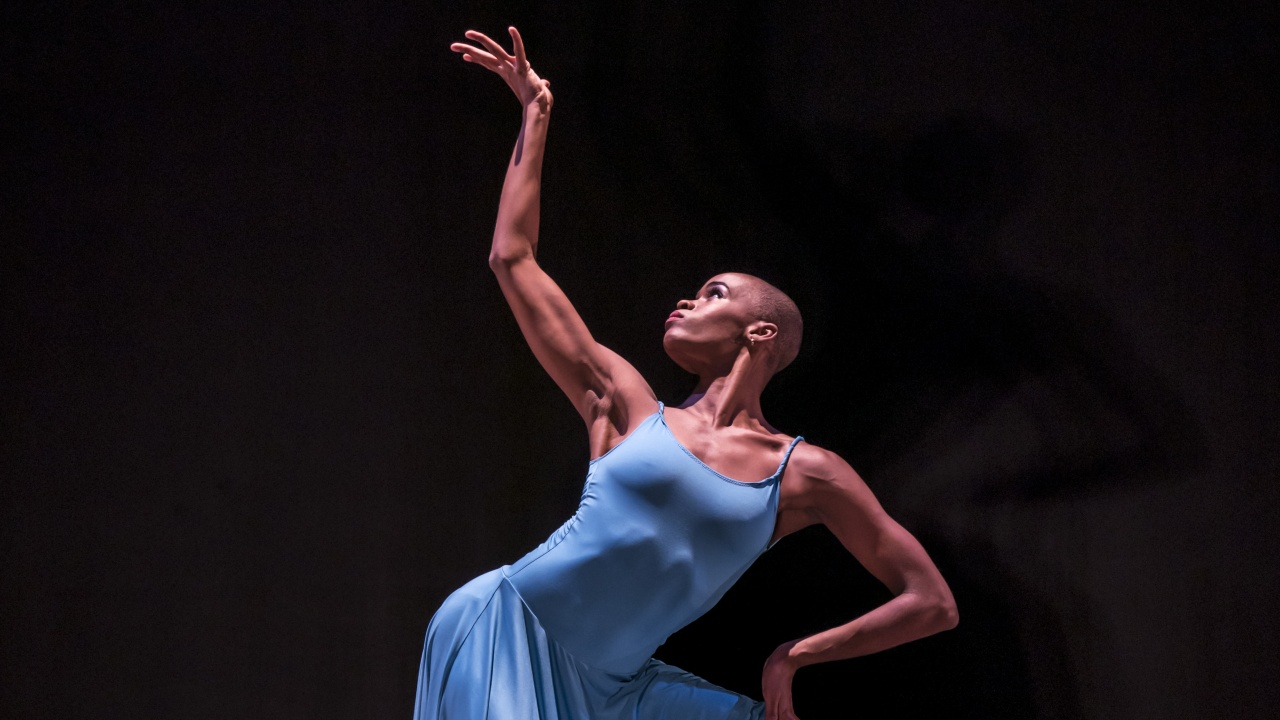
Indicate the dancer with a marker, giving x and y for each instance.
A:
(678, 502)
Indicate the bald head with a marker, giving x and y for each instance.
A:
(773, 305)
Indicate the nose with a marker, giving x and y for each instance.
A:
(684, 305)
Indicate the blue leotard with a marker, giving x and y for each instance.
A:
(569, 630)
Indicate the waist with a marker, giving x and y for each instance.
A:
(612, 605)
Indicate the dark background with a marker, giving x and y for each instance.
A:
(264, 406)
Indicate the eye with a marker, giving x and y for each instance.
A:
(715, 292)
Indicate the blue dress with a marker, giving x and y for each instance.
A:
(568, 631)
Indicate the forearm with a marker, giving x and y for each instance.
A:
(907, 617)
(515, 234)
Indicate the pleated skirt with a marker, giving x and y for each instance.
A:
(486, 657)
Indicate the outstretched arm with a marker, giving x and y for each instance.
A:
(601, 385)
(832, 493)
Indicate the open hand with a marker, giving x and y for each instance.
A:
(779, 670)
(514, 69)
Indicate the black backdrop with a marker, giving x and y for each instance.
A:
(264, 406)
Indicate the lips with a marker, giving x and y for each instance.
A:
(673, 317)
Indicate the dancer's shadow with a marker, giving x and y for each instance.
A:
(957, 388)
(944, 348)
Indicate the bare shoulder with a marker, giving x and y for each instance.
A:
(815, 465)
(820, 479)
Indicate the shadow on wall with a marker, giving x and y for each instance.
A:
(966, 387)
(943, 344)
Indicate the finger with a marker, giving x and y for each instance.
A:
(476, 55)
(467, 57)
(490, 45)
(779, 711)
(522, 62)
(465, 48)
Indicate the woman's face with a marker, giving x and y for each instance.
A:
(705, 332)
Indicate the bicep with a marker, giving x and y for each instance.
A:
(885, 548)
(585, 371)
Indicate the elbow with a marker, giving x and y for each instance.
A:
(937, 612)
(509, 248)
(499, 262)
(502, 260)
(948, 615)
(943, 613)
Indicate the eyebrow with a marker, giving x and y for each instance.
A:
(709, 285)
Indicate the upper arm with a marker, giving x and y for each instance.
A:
(596, 380)
(839, 499)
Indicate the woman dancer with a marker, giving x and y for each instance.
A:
(679, 501)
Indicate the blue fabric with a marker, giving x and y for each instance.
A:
(568, 631)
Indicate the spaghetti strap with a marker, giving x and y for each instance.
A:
(782, 466)
(776, 473)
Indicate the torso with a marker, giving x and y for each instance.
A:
(657, 539)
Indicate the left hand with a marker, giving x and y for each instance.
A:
(779, 670)
(513, 69)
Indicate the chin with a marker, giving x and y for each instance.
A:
(666, 348)
(672, 349)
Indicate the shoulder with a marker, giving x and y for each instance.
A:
(813, 464)
(821, 479)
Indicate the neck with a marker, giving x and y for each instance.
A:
(733, 397)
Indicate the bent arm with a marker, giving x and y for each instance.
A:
(922, 603)
(836, 496)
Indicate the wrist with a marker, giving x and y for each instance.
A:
(801, 653)
(787, 656)
(536, 110)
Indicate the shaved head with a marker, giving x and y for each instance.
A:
(773, 305)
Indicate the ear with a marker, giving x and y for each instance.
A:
(761, 331)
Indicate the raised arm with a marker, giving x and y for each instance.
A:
(599, 383)
(828, 491)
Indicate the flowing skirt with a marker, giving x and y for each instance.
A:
(486, 657)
